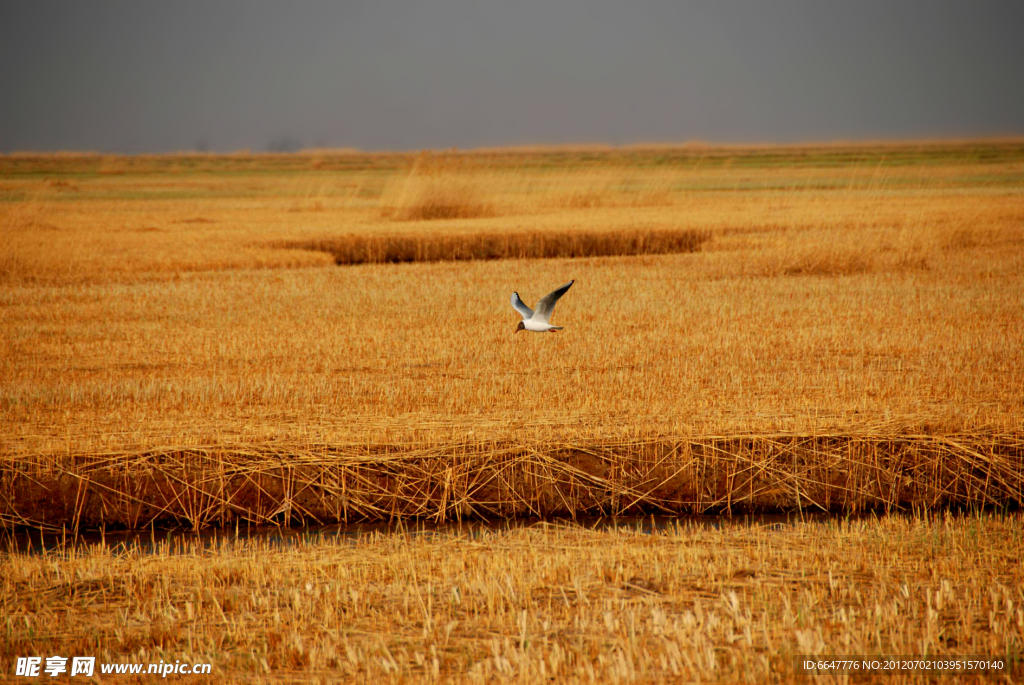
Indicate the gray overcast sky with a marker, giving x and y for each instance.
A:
(140, 76)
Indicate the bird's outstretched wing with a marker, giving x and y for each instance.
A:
(547, 303)
(521, 307)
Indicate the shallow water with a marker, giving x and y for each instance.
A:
(188, 541)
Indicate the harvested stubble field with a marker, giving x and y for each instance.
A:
(540, 604)
(200, 340)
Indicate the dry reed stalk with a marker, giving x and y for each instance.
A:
(316, 484)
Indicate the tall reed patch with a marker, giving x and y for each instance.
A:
(282, 483)
(437, 187)
(427, 247)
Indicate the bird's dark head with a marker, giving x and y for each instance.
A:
(520, 327)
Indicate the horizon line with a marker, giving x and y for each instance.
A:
(694, 144)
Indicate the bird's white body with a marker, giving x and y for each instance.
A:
(539, 326)
(538, 321)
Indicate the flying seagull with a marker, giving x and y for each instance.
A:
(538, 320)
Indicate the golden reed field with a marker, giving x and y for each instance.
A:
(223, 340)
(834, 328)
